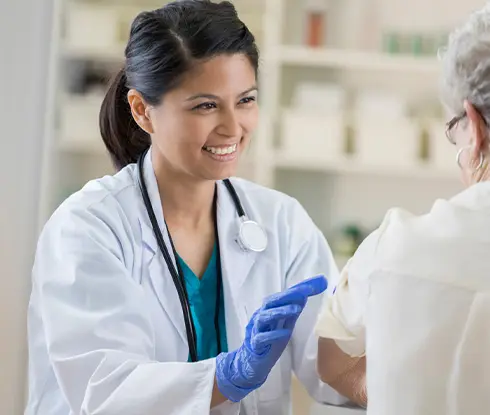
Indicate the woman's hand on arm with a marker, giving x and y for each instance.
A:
(266, 336)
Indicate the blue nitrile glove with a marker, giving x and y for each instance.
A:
(266, 336)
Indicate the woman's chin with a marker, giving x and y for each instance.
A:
(224, 172)
(222, 166)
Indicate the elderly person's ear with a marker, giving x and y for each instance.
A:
(478, 128)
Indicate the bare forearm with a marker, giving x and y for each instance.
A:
(217, 398)
(345, 374)
(352, 383)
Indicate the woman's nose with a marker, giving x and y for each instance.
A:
(230, 125)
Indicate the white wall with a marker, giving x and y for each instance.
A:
(24, 43)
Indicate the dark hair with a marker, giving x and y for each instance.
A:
(163, 45)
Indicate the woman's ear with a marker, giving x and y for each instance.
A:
(140, 111)
(478, 129)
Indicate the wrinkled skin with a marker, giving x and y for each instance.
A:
(345, 374)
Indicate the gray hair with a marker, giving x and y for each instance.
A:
(466, 65)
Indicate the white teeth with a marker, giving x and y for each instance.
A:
(221, 150)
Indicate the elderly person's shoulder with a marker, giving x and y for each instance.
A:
(439, 244)
(442, 245)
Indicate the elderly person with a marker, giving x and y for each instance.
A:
(413, 304)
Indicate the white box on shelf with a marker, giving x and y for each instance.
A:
(91, 27)
(79, 122)
(386, 141)
(442, 152)
(319, 97)
(307, 135)
(375, 103)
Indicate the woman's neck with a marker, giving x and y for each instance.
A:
(185, 201)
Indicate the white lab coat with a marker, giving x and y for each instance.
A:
(106, 333)
(416, 299)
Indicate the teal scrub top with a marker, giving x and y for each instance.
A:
(202, 301)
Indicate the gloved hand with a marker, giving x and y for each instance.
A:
(266, 336)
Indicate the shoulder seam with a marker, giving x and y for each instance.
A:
(109, 195)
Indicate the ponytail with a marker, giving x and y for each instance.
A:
(124, 139)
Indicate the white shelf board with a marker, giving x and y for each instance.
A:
(356, 60)
(114, 53)
(351, 166)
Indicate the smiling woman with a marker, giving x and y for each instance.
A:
(208, 86)
(120, 325)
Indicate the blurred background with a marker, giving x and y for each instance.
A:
(350, 125)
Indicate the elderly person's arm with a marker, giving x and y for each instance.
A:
(341, 344)
(341, 327)
(345, 374)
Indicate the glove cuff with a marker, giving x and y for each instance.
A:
(224, 374)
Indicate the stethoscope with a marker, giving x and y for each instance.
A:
(250, 237)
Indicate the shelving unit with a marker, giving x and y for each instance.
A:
(345, 189)
(349, 166)
(330, 186)
(354, 60)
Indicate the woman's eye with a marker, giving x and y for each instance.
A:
(205, 106)
(247, 100)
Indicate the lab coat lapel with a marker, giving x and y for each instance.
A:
(160, 277)
(236, 265)
(236, 262)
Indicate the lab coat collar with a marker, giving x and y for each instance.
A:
(236, 264)
(160, 277)
(154, 194)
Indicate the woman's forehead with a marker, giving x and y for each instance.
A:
(222, 74)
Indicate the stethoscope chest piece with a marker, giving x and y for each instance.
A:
(251, 236)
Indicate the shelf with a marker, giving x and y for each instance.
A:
(350, 166)
(357, 60)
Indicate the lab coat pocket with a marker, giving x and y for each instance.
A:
(279, 406)
(273, 388)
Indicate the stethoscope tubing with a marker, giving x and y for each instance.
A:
(177, 274)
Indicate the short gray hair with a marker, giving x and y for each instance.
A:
(466, 65)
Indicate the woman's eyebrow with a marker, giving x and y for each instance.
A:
(212, 96)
